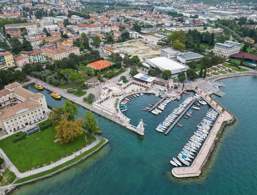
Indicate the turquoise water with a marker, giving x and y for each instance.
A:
(134, 165)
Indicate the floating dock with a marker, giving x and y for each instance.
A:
(195, 169)
(179, 117)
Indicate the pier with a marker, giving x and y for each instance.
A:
(179, 117)
(157, 103)
(195, 169)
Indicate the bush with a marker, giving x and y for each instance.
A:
(45, 124)
(90, 98)
(19, 136)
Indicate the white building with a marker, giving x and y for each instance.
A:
(20, 108)
(164, 63)
(227, 49)
(169, 53)
(187, 57)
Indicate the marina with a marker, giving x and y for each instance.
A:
(172, 119)
(155, 152)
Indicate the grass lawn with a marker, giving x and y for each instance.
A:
(38, 149)
(7, 177)
(66, 164)
(235, 67)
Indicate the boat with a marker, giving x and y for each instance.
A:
(196, 107)
(202, 102)
(177, 161)
(179, 125)
(173, 163)
(56, 96)
(39, 87)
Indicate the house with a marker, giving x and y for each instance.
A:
(35, 56)
(20, 108)
(59, 53)
(6, 60)
(21, 60)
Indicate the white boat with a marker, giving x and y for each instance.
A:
(173, 163)
(177, 161)
(196, 107)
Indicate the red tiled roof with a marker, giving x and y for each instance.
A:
(244, 55)
(100, 64)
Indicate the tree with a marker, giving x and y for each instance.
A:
(90, 98)
(137, 27)
(26, 46)
(124, 36)
(84, 42)
(70, 109)
(96, 41)
(133, 71)
(90, 124)
(166, 74)
(46, 32)
(181, 77)
(57, 115)
(109, 37)
(67, 131)
(16, 45)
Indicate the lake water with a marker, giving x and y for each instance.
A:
(133, 165)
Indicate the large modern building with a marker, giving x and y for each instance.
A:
(227, 49)
(20, 109)
(164, 63)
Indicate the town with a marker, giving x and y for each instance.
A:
(65, 65)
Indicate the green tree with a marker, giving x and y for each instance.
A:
(96, 41)
(67, 131)
(70, 109)
(124, 36)
(137, 27)
(90, 98)
(90, 124)
(133, 71)
(26, 46)
(84, 42)
(181, 77)
(166, 74)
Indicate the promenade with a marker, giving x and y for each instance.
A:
(195, 169)
(19, 174)
(79, 100)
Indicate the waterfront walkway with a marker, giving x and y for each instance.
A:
(79, 100)
(19, 174)
(195, 169)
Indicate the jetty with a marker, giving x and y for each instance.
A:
(180, 116)
(195, 169)
(157, 103)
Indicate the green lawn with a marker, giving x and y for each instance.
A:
(38, 149)
(235, 67)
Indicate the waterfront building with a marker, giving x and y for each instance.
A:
(187, 57)
(6, 60)
(227, 49)
(20, 108)
(164, 63)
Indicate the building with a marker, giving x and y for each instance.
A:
(246, 59)
(20, 109)
(100, 65)
(21, 60)
(164, 63)
(35, 56)
(227, 49)
(60, 52)
(6, 60)
(187, 57)
(169, 53)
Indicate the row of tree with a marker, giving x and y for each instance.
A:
(68, 128)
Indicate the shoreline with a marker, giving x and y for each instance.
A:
(8, 189)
